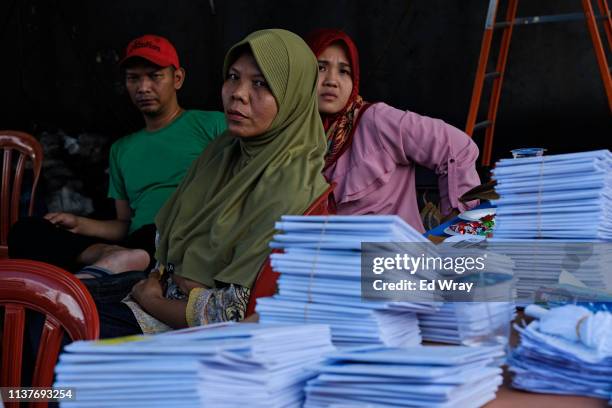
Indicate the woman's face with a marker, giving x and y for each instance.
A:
(248, 103)
(335, 82)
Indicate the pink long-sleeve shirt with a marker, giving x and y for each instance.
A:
(376, 175)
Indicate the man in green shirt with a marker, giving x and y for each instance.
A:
(145, 168)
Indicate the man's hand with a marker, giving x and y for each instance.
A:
(109, 230)
(64, 220)
(147, 290)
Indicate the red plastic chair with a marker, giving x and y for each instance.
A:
(55, 293)
(28, 148)
(265, 284)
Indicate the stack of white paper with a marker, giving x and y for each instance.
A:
(210, 366)
(468, 323)
(566, 196)
(486, 318)
(342, 232)
(553, 365)
(539, 263)
(546, 205)
(320, 280)
(415, 377)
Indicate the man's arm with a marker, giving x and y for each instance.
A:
(112, 230)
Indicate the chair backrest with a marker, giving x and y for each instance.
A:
(265, 284)
(60, 297)
(27, 147)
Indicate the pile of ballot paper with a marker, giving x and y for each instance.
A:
(437, 376)
(225, 365)
(553, 365)
(547, 205)
(484, 319)
(542, 263)
(566, 196)
(469, 323)
(320, 280)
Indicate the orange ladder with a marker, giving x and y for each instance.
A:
(497, 76)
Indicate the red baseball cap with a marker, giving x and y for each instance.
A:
(153, 48)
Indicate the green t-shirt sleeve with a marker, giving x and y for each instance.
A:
(116, 184)
(221, 123)
(212, 124)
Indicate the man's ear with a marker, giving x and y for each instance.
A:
(179, 78)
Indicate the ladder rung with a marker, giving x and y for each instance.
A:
(483, 124)
(501, 24)
(553, 18)
(492, 75)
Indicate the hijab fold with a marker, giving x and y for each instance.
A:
(216, 228)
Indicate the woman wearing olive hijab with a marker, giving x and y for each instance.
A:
(214, 231)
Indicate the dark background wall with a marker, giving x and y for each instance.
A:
(59, 61)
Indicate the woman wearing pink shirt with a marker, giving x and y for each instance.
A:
(373, 148)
